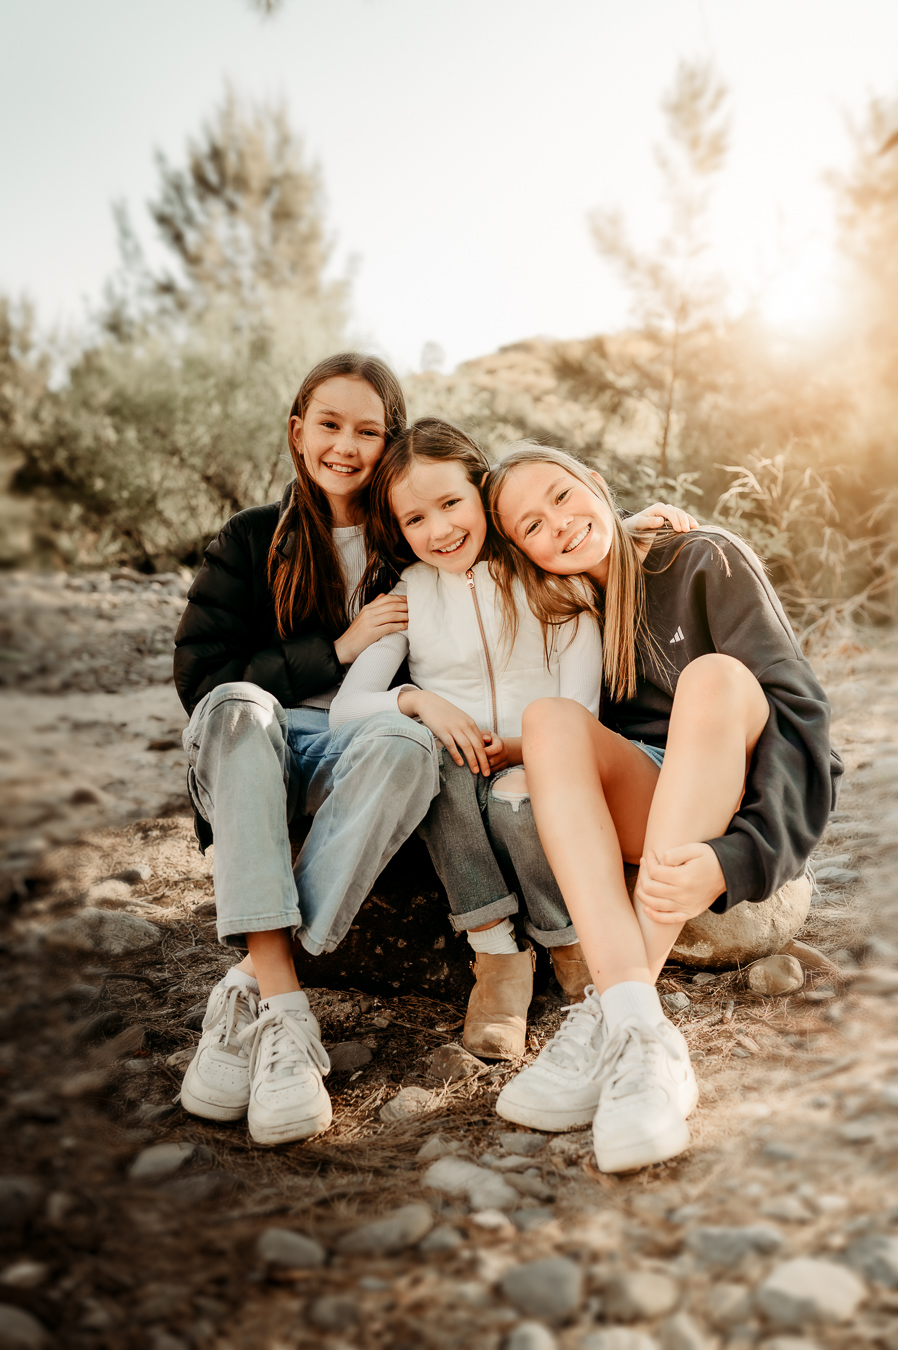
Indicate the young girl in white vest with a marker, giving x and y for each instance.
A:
(711, 768)
(476, 659)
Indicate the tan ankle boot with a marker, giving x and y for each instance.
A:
(571, 971)
(496, 1021)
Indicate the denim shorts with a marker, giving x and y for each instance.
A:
(654, 752)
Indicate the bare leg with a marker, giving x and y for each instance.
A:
(718, 715)
(591, 793)
(270, 960)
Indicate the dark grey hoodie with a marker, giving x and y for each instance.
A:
(707, 592)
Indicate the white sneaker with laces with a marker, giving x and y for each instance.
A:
(216, 1084)
(287, 1061)
(648, 1089)
(559, 1090)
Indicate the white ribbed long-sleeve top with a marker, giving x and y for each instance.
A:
(456, 647)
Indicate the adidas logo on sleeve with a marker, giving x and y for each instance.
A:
(678, 636)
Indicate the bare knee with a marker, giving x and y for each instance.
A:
(551, 717)
(511, 787)
(716, 688)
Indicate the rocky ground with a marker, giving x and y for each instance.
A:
(420, 1219)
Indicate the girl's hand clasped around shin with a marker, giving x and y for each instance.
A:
(386, 614)
(681, 885)
(458, 732)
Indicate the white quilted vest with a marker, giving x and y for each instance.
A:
(450, 655)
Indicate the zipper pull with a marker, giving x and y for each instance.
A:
(469, 578)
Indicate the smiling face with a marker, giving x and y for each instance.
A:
(341, 439)
(440, 513)
(558, 522)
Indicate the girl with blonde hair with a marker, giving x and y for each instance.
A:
(710, 768)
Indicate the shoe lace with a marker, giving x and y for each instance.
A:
(576, 1032)
(233, 1006)
(628, 1060)
(285, 1044)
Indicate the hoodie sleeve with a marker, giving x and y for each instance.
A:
(791, 782)
(226, 630)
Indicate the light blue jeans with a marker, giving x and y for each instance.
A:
(254, 764)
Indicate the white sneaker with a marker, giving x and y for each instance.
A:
(287, 1099)
(216, 1084)
(648, 1089)
(560, 1089)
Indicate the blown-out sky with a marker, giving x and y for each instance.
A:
(462, 142)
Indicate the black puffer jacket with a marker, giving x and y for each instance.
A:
(228, 630)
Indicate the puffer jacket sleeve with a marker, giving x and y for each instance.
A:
(226, 631)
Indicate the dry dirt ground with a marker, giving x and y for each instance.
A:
(795, 1139)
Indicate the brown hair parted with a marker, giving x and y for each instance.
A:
(427, 439)
(303, 567)
(556, 599)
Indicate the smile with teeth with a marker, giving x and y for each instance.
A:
(577, 539)
(452, 548)
(340, 468)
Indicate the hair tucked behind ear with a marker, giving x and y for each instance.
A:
(557, 599)
(430, 440)
(303, 567)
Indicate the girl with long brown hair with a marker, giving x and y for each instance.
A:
(710, 768)
(275, 617)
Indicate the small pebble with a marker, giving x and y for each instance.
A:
(520, 1141)
(638, 1295)
(452, 1064)
(806, 1290)
(789, 1343)
(107, 932)
(530, 1336)
(334, 1312)
(393, 1233)
(408, 1102)
(551, 1289)
(160, 1161)
(485, 1190)
(728, 1304)
(443, 1238)
(677, 1002)
(617, 1338)
(439, 1146)
(526, 1219)
(775, 975)
(876, 1256)
(704, 977)
(294, 1251)
(721, 1246)
(788, 1208)
(20, 1331)
(681, 1332)
(25, 1274)
(348, 1056)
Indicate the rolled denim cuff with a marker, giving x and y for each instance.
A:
(496, 909)
(552, 937)
(233, 934)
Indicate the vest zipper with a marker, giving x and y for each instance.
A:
(469, 578)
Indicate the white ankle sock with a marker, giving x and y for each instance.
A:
(631, 999)
(295, 1002)
(497, 941)
(239, 977)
